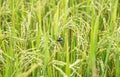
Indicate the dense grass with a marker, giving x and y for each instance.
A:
(30, 29)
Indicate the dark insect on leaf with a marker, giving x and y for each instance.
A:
(60, 39)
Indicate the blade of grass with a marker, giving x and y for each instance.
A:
(9, 66)
(67, 55)
(93, 46)
(47, 56)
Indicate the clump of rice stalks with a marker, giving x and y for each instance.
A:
(59, 38)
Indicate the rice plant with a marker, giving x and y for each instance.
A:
(59, 38)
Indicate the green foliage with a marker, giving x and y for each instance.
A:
(30, 29)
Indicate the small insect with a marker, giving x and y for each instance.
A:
(60, 39)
